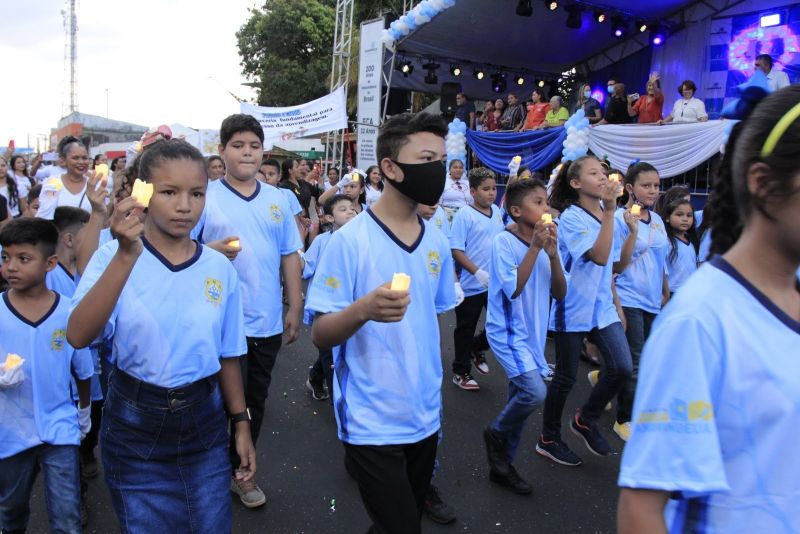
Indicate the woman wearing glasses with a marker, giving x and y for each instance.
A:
(688, 108)
(456, 193)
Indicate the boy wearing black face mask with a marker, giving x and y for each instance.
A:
(386, 351)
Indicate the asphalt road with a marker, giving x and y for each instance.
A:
(300, 466)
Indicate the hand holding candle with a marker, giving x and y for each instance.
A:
(142, 192)
(400, 282)
(547, 218)
(636, 209)
(12, 361)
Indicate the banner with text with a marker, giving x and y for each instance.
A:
(369, 91)
(324, 114)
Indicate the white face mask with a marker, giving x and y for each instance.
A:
(587, 94)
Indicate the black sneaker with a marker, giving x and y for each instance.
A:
(590, 435)
(512, 481)
(496, 453)
(557, 451)
(438, 510)
(318, 391)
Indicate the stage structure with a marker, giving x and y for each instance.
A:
(340, 73)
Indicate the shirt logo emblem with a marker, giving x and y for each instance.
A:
(275, 213)
(213, 290)
(58, 340)
(679, 417)
(434, 262)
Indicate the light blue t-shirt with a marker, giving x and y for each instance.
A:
(641, 284)
(61, 281)
(682, 266)
(517, 327)
(388, 376)
(40, 409)
(172, 323)
(105, 237)
(440, 221)
(704, 251)
(294, 204)
(267, 230)
(472, 232)
(589, 302)
(717, 409)
(314, 252)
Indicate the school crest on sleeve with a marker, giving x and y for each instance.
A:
(275, 213)
(58, 340)
(328, 284)
(213, 290)
(434, 262)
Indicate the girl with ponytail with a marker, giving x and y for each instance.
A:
(718, 400)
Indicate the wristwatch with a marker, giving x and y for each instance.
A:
(241, 416)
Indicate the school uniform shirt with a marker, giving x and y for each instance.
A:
(516, 327)
(266, 227)
(472, 232)
(40, 410)
(61, 281)
(372, 194)
(716, 412)
(683, 266)
(589, 302)
(704, 250)
(388, 376)
(640, 285)
(172, 323)
(294, 204)
(314, 252)
(440, 222)
(52, 197)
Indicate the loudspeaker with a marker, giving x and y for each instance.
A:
(448, 96)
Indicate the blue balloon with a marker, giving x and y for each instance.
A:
(449, 3)
(409, 19)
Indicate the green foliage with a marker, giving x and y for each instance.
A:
(286, 47)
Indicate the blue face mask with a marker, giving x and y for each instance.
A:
(587, 94)
(610, 89)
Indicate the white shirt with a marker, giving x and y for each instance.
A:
(777, 79)
(456, 193)
(373, 194)
(691, 110)
(55, 194)
(23, 184)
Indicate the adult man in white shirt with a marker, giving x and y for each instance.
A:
(777, 79)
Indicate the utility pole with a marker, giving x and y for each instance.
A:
(73, 57)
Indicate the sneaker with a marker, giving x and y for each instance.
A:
(496, 453)
(594, 378)
(590, 435)
(512, 481)
(89, 468)
(249, 492)
(548, 375)
(318, 391)
(466, 381)
(479, 361)
(557, 451)
(438, 510)
(623, 430)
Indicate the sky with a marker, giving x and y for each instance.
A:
(162, 61)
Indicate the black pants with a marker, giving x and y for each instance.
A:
(323, 369)
(257, 375)
(392, 480)
(91, 439)
(640, 323)
(467, 315)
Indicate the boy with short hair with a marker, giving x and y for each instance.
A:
(387, 358)
(525, 272)
(252, 224)
(474, 226)
(338, 210)
(69, 221)
(40, 426)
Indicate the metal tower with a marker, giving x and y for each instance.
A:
(71, 55)
(340, 71)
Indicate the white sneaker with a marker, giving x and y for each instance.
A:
(466, 382)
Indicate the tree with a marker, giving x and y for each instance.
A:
(286, 47)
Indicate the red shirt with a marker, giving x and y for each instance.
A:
(536, 115)
(649, 108)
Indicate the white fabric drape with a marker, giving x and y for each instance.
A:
(672, 149)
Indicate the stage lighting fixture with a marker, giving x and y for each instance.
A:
(430, 76)
(641, 25)
(574, 17)
(773, 19)
(455, 70)
(618, 27)
(524, 8)
(552, 5)
(519, 80)
(479, 74)
(600, 15)
(541, 83)
(498, 82)
(657, 35)
(406, 67)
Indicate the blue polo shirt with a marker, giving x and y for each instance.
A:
(472, 232)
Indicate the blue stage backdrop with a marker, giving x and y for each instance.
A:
(538, 148)
(735, 43)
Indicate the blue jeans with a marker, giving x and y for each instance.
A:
(525, 393)
(165, 456)
(616, 372)
(62, 479)
(639, 324)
